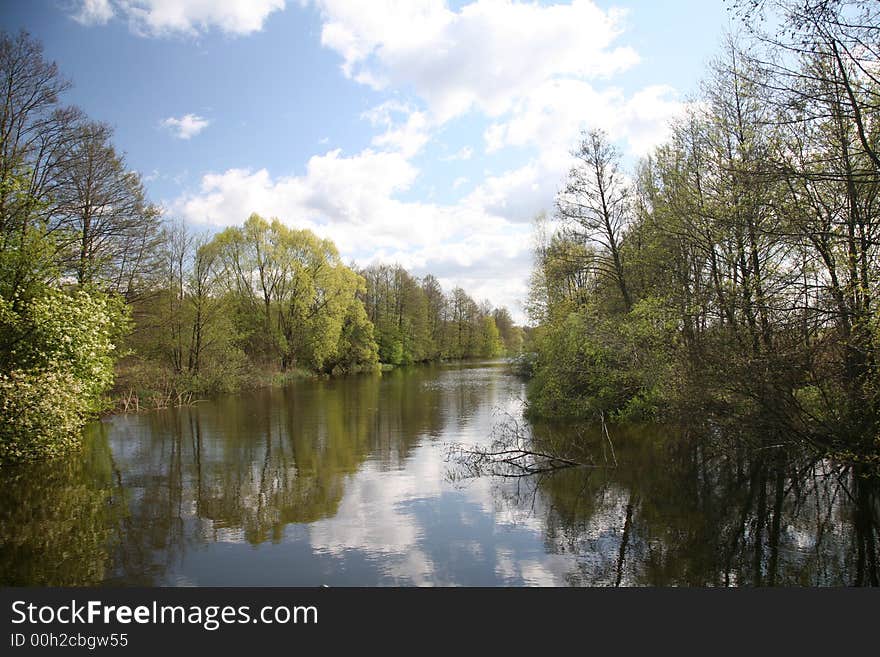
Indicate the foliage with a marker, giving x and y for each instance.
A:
(416, 322)
(297, 286)
(263, 301)
(490, 338)
(589, 364)
(357, 350)
(57, 366)
(58, 518)
(739, 268)
(259, 301)
(69, 211)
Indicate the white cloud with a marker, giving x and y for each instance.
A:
(354, 192)
(407, 136)
(647, 116)
(465, 153)
(538, 74)
(485, 56)
(185, 127)
(93, 12)
(353, 201)
(519, 194)
(550, 120)
(553, 114)
(180, 17)
(532, 68)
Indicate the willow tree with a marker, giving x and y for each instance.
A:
(297, 286)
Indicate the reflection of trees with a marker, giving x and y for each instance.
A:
(57, 518)
(676, 509)
(249, 465)
(284, 454)
(151, 465)
(426, 401)
(281, 456)
(682, 512)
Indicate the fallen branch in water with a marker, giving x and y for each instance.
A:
(608, 437)
(510, 462)
(515, 452)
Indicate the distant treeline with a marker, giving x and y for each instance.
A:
(735, 270)
(264, 298)
(91, 273)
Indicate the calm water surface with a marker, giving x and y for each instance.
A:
(347, 482)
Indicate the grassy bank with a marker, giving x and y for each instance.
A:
(143, 385)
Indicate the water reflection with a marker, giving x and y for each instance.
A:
(58, 520)
(694, 512)
(345, 482)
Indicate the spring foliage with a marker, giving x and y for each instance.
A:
(737, 269)
(57, 366)
(84, 258)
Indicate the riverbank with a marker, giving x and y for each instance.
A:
(347, 482)
(143, 386)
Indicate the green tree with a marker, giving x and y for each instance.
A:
(295, 283)
(491, 344)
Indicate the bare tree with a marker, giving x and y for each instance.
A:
(68, 205)
(845, 35)
(114, 230)
(595, 207)
(819, 66)
(35, 136)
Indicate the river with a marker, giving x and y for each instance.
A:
(349, 482)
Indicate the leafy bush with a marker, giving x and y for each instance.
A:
(523, 364)
(42, 414)
(623, 365)
(56, 366)
(577, 373)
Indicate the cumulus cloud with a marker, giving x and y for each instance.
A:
(406, 129)
(553, 113)
(355, 191)
(186, 126)
(159, 18)
(353, 201)
(519, 194)
(540, 73)
(93, 12)
(533, 75)
(485, 56)
(550, 120)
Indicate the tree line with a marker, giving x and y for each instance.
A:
(96, 285)
(735, 269)
(264, 298)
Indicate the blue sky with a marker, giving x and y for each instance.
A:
(423, 132)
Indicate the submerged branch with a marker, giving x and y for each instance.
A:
(514, 454)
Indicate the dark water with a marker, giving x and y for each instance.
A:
(347, 482)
